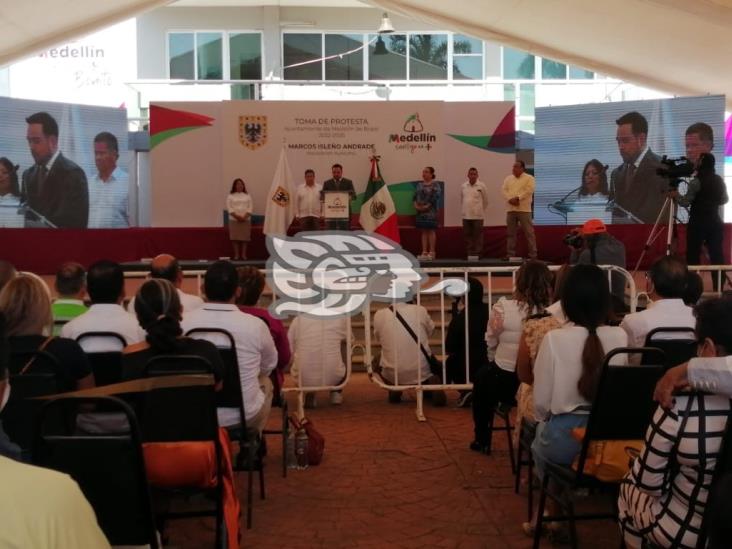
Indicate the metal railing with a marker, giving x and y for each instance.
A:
(716, 271)
(487, 275)
(489, 290)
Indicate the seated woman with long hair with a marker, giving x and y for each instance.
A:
(535, 328)
(569, 362)
(25, 301)
(664, 496)
(497, 381)
(568, 366)
(158, 310)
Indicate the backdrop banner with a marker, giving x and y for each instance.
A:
(198, 149)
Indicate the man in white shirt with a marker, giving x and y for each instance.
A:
(109, 188)
(665, 286)
(518, 190)
(708, 374)
(308, 207)
(255, 350)
(319, 353)
(167, 267)
(105, 285)
(474, 201)
(402, 362)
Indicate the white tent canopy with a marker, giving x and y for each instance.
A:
(30, 26)
(675, 46)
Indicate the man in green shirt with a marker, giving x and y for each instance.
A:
(71, 288)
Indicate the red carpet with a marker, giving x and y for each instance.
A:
(43, 250)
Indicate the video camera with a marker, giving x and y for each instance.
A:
(674, 169)
(574, 239)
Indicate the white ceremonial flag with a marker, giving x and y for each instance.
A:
(281, 200)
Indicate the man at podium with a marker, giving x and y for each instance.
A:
(637, 190)
(338, 184)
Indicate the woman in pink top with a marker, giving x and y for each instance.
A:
(251, 283)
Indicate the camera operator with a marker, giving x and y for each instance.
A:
(705, 226)
(594, 245)
(706, 193)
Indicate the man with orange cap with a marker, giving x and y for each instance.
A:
(598, 247)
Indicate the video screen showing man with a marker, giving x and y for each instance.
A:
(109, 188)
(638, 191)
(55, 188)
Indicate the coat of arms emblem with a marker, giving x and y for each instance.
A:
(252, 131)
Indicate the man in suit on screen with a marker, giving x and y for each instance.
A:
(54, 187)
(639, 192)
(339, 183)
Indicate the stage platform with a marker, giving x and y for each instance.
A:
(203, 264)
(43, 250)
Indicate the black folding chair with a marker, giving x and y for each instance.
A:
(109, 467)
(250, 456)
(183, 414)
(40, 379)
(678, 350)
(503, 412)
(106, 365)
(622, 410)
(527, 433)
(716, 528)
(177, 365)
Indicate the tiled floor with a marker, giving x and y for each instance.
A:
(389, 481)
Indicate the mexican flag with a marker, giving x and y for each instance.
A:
(378, 213)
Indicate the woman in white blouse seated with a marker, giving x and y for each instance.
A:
(568, 365)
(239, 206)
(663, 498)
(496, 382)
(9, 196)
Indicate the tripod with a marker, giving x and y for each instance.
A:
(657, 228)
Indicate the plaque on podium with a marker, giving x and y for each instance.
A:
(336, 205)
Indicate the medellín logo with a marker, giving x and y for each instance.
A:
(413, 136)
(413, 124)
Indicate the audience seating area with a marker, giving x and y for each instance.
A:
(158, 470)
